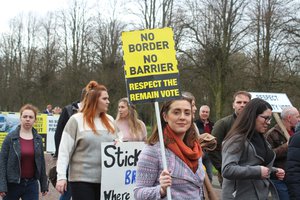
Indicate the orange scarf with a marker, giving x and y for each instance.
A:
(188, 155)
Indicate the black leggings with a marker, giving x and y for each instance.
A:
(84, 190)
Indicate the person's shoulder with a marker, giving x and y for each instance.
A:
(295, 140)
(140, 121)
(153, 149)
(223, 121)
(230, 117)
(75, 104)
(79, 114)
(72, 108)
(110, 117)
(197, 120)
(14, 133)
(233, 142)
(37, 135)
(226, 118)
(76, 117)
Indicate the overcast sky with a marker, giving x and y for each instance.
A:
(12, 8)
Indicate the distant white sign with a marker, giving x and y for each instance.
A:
(278, 101)
(119, 169)
(52, 123)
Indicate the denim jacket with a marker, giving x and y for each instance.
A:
(10, 160)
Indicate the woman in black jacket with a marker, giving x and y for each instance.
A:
(22, 162)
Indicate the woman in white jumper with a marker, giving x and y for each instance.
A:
(80, 146)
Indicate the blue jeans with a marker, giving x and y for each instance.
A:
(28, 189)
(282, 189)
(67, 194)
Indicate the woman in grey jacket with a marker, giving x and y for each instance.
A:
(247, 158)
(22, 162)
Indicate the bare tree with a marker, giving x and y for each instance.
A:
(107, 58)
(214, 31)
(50, 63)
(76, 32)
(270, 49)
(155, 13)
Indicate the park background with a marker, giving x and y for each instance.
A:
(221, 46)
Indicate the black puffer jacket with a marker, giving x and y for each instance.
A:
(10, 156)
(293, 166)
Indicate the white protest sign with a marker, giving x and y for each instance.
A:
(52, 123)
(119, 169)
(278, 101)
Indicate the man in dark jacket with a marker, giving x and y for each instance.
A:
(204, 125)
(222, 127)
(65, 115)
(293, 165)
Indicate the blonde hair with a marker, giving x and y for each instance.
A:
(135, 126)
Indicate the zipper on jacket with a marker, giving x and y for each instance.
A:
(19, 181)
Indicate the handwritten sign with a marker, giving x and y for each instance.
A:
(278, 101)
(119, 169)
(150, 65)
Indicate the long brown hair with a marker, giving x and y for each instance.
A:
(90, 104)
(135, 126)
(190, 135)
(244, 125)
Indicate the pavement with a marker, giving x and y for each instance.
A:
(216, 186)
(54, 195)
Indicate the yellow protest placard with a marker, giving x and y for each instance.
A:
(150, 65)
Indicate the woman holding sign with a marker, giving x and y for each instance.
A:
(22, 162)
(185, 173)
(80, 146)
(132, 129)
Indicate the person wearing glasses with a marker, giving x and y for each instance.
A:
(247, 158)
(279, 143)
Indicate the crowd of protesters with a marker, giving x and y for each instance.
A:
(252, 160)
